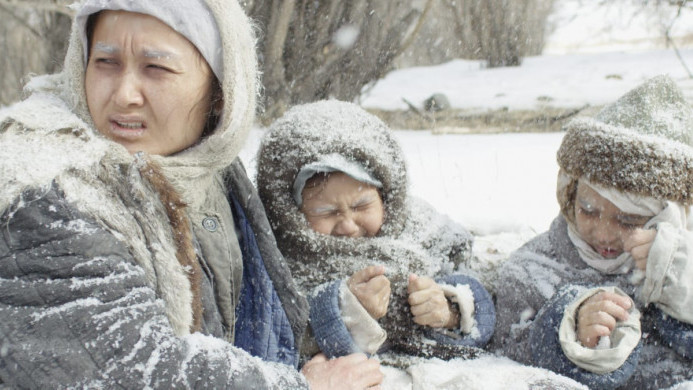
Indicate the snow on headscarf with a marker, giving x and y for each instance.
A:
(223, 34)
(190, 18)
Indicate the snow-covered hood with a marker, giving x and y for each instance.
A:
(50, 138)
(311, 131)
(239, 86)
(414, 237)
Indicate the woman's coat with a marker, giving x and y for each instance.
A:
(135, 271)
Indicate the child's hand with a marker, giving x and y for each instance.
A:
(372, 289)
(638, 243)
(598, 315)
(428, 303)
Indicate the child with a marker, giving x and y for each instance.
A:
(334, 183)
(605, 295)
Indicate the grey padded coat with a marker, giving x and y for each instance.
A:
(137, 271)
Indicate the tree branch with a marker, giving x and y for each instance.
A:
(20, 20)
(667, 35)
(60, 6)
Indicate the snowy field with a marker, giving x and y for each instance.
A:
(502, 186)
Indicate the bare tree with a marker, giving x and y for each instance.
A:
(34, 38)
(308, 50)
(680, 4)
(502, 32)
(312, 50)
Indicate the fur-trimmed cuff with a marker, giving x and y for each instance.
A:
(462, 295)
(546, 350)
(484, 314)
(623, 340)
(364, 329)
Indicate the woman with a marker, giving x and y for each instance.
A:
(135, 252)
(604, 296)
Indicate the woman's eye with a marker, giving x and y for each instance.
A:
(156, 67)
(105, 61)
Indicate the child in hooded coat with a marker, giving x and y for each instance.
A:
(606, 295)
(332, 137)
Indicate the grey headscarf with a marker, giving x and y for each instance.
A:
(198, 25)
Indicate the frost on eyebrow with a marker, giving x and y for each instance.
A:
(159, 55)
(104, 48)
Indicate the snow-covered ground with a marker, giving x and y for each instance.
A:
(597, 51)
(568, 80)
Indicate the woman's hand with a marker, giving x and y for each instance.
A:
(429, 305)
(638, 243)
(351, 372)
(598, 315)
(372, 289)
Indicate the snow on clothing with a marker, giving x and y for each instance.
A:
(134, 270)
(533, 288)
(636, 147)
(413, 238)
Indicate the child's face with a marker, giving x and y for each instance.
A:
(343, 206)
(601, 224)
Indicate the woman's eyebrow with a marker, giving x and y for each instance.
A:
(159, 54)
(105, 48)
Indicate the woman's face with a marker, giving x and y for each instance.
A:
(147, 86)
(601, 224)
(343, 206)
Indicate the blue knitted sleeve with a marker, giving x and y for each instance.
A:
(329, 329)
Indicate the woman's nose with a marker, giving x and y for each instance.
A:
(346, 227)
(128, 92)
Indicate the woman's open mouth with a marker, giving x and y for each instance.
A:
(127, 129)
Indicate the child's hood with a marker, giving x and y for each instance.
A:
(304, 135)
